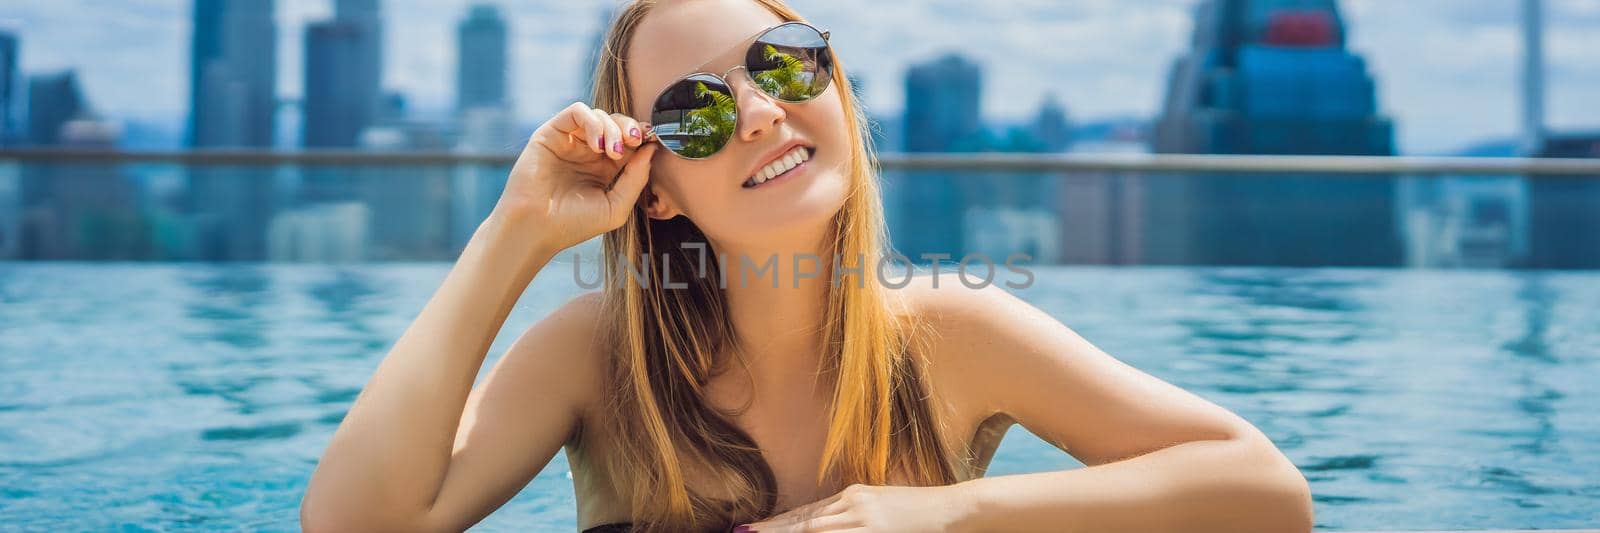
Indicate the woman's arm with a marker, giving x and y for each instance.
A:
(415, 452)
(1158, 458)
(390, 462)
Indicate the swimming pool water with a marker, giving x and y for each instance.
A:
(141, 397)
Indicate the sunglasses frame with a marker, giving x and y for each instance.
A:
(744, 65)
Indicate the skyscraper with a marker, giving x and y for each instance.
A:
(927, 209)
(233, 74)
(1051, 127)
(73, 211)
(1271, 77)
(1564, 212)
(942, 105)
(1565, 224)
(1532, 75)
(53, 100)
(233, 100)
(9, 48)
(481, 59)
(343, 75)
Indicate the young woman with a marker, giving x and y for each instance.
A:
(696, 391)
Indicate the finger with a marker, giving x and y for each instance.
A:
(578, 122)
(802, 513)
(625, 191)
(594, 132)
(632, 131)
(830, 522)
(566, 121)
(611, 140)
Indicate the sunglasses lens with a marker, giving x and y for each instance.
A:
(695, 117)
(791, 62)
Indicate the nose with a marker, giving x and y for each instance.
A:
(759, 113)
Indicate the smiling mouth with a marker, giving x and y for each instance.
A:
(782, 167)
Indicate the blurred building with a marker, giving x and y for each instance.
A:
(476, 188)
(1565, 226)
(70, 210)
(53, 100)
(343, 100)
(334, 232)
(481, 59)
(1017, 212)
(926, 209)
(942, 106)
(395, 129)
(408, 207)
(343, 75)
(233, 74)
(10, 48)
(233, 104)
(1270, 77)
(1051, 127)
(485, 116)
(1464, 221)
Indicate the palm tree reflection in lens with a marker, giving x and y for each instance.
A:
(704, 130)
(791, 80)
(708, 127)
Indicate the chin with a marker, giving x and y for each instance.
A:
(805, 213)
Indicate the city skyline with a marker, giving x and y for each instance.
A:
(1478, 66)
(1258, 77)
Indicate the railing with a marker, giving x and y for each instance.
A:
(1076, 208)
(997, 162)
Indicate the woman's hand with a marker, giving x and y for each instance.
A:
(578, 177)
(877, 509)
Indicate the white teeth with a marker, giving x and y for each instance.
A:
(782, 164)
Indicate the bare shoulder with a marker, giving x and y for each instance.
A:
(962, 316)
(967, 330)
(560, 353)
(949, 301)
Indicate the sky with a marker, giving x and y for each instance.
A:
(1447, 70)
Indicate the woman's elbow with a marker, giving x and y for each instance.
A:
(1286, 503)
(318, 515)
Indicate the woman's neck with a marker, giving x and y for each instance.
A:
(777, 307)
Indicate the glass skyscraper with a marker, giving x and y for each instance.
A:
(343, 75)
(9, 48)
(481, 59)
(1271, 77)
(233, 78)
(926, 209)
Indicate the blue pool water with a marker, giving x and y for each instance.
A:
(175, 397)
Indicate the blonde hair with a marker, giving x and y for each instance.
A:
(664, 346)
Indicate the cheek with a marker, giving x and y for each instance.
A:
(829, 129)
(698, 189)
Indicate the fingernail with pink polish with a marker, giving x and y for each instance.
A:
(601, 144)
(743, 529)
(616, 147)
(634, 132)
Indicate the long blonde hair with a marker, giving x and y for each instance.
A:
(665, 346)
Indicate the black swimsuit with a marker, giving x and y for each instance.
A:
(619, 527)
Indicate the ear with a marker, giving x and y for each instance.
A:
(656, 205)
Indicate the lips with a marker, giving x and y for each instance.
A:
(783, 164)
